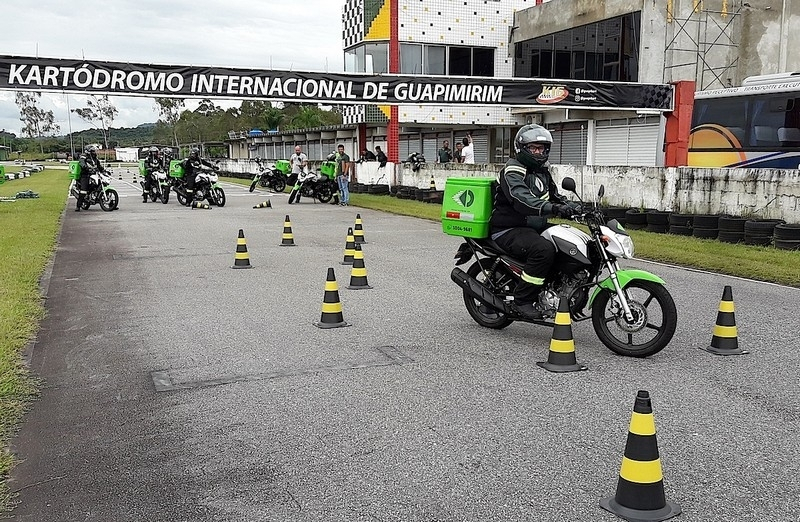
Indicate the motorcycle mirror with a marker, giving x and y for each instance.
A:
(568, 184)
(601, 191)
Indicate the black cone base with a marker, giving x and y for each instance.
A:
(562, 368)
(639, 515)
(358, 287)
(331, 325)
(242, 266)
(724, 351)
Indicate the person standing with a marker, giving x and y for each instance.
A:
(444, 155)
(298, 162)
(343, 174)
(467, 151)
(381, 156)
(457, 158)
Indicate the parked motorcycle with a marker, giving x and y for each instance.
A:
(206, 186)
(100, 192)
(632, 312)
(268, 176)
(416, 160)
(159, 187)
(313, 186)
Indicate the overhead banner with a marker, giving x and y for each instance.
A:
(177, 81)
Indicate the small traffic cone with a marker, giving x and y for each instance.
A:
(331, 306)
(349, 248)
(200, 204)
(264, 204)
(358, 231)
(640, 490)
(120, 175)
(287, 239)
(724, 341)
(358, 274)
(433, 183)
(561, 357)
(242, 258)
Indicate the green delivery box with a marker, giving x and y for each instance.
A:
(74, 170)
(467, 207)
(142, 170)
(175, 169)
(328, 168)
(2, 174)
(283, 166)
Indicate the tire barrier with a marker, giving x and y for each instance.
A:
(640, 489)
(681, 224)
(705, 226)
(759, 231)
(731, 229)
(657, 221)
(561, 356)
(787, 236)
(725, 339)
(635, 219)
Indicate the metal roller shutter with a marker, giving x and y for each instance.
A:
(569, 147)
(634, 145)
(480, 145)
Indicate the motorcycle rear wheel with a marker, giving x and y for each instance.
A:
(110, 201)
(324, 193)
(264, 182)
(278, 185)
(655, 320)
(480, 313)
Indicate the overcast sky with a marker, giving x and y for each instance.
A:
(299, 35)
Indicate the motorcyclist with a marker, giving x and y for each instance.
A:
(192, 167)
(90, 164)
(152, 163)
(526, 196)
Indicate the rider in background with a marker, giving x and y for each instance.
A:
(526, 196)
(90, 164)
(152, 163)
(191, 167)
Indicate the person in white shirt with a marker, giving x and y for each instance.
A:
(467, 152)
(298, 161)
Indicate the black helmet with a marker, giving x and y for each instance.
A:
(154, 151)
(194, 153)
(528, 135)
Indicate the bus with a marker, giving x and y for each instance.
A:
(756, 125)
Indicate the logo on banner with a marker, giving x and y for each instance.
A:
(552, 94)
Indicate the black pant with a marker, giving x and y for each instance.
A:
(538, 254)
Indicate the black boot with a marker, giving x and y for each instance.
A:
(79, 204)
(144, 197)
(335, 199)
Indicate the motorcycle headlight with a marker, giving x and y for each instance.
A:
(626, 242)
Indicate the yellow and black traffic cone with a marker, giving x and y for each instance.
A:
(264, 204)
(349, 248)
(120, 175)
(358, 274)
(358, 231)
(242, 258)
(200, 204)
(640, 490)
(725, 340)
(287, 239)
(332, 316)
(561, 357)
(433, 183)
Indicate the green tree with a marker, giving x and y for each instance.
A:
(100, 113)
(37, 123)
(169, 112)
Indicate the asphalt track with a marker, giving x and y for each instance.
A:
(178, 389)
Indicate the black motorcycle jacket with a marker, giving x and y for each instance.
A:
(90, 164)
(152, 164)
(192, 166)
(524, 197)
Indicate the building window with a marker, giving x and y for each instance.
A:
(605, 50)
(371, 58)
(440, 60)
(410, 58)
(435, 59)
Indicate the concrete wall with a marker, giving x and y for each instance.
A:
(764, 193)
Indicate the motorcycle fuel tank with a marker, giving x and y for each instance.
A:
(569, 240)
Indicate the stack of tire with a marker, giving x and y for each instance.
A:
(378, 190)
(617, 213)
(787, 236)
(657, 221)
(759, 231)
(731, 229)
(681, 224)
(705, 226)
(635, 219)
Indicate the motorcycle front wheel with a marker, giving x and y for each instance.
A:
(253, 184)
(654, 319)
(183, 200)
(110, 201)
(165, 195)
(501, 280)
(219, 195)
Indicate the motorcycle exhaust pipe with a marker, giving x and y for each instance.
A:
(478, 291)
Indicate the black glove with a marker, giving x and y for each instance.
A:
(576, 207)
(562, 211)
